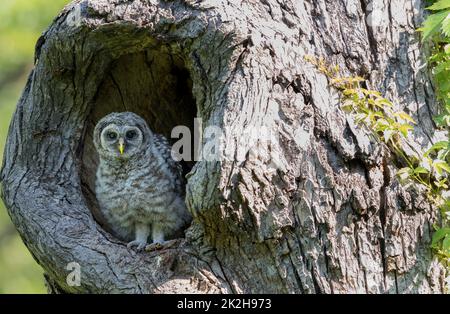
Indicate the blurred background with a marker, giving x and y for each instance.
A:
(21, 24)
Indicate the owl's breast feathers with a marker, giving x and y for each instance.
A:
(154, 179)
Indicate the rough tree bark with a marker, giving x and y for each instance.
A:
(330, 217)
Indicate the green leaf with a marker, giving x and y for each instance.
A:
(349, 91)
(446, 244)
(441, 183)
(436, 57)
(382, 102)
(439, 235)
(369, 92)
(440, 165)
(446, 27)
(379, 115)
(432, 24)
(381, 125)
(443, 66)
(440, 5)
(442, 154)
(437, 146)
(404, 116)
(420, 170)
(404, 128)
(442, 120)
(347, 106)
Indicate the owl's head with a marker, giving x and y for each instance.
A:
(121, 135)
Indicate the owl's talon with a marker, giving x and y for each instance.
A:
(155, 246)
(138, 244)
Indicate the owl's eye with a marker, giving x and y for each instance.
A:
(111, 135)
(131, 135)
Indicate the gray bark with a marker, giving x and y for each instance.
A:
(329, 218)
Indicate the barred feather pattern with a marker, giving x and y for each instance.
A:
(146, 189)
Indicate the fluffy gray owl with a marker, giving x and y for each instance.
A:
(139, 186)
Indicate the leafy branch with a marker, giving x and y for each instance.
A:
(436, 31)
(390, 127)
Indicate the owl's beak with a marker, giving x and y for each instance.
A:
(121, 145)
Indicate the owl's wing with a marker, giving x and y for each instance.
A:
(175, 168)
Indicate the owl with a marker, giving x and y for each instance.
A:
(139, 186)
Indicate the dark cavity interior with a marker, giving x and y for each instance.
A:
(154, 84)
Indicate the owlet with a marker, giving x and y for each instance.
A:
(139, 186)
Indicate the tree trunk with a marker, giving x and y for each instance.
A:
(317, 211)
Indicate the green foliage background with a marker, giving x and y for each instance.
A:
(436, 31)
(21, 23)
